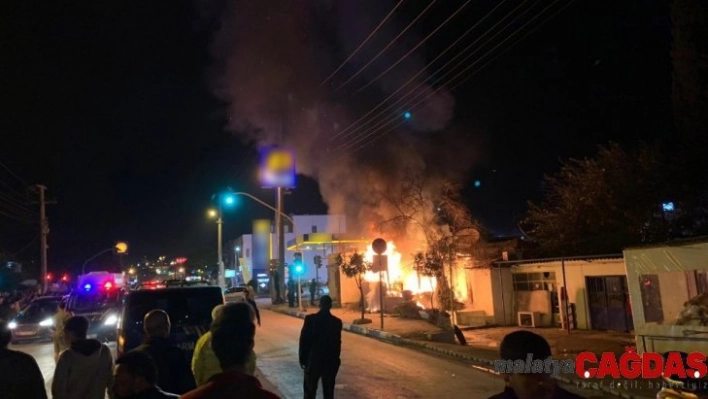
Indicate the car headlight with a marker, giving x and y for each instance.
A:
(47, 322)
(12, 325)
(111, 320)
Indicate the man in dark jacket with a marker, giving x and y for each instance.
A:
(320, 348)
(20, 377)
(135, 377)
(517, 346)
(232, 339)
(174, 374)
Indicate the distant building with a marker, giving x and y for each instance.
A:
(252, 252)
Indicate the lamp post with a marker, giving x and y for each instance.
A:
(227, 199)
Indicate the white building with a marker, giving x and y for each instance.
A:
(254, 254)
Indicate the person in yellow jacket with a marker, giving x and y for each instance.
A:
(204, 361)
(58, 337)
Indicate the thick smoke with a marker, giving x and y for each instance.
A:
(269, 59)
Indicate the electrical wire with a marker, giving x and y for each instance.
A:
(473, 64)
(13, 174)
(19, 211)
(383, 111)
(448, 48)
(425, 39)
(362, 44)
(25, 247)
(17, 218)
(387, 46)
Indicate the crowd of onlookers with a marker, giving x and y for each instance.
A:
(12, 302)
(157, 369)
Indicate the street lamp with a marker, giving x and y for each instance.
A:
(227, 199)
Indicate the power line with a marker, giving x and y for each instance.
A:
(362, 44)
(448, 48)
(13, 174)
(512, 45)
(384, 122)
(425, 39)
(25, 247)
(9, 188)
(355, 141)
(17, 218)
(387, 46)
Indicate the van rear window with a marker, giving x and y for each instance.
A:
(185, 307)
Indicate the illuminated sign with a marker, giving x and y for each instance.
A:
(277, 168)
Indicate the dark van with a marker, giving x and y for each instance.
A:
(189, 309)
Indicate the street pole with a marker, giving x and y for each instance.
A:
(281, 245)
(44, 231)
(299, 293)
(221, 278)
(381, 298)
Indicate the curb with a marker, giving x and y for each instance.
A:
(398, 340)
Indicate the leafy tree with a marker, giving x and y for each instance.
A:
(602, 204)
(354, 266)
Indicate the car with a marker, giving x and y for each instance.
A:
(236, 294)
(189, 309)
(36, 320)
(98, 299)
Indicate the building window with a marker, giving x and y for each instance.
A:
(314, 229)
(248, 252)
(534, 281)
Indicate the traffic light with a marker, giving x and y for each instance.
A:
(318, 261)
(298, 266)
(121, 248)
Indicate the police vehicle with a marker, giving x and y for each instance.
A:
(189, 308)
(97, 297)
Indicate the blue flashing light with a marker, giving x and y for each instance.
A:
(407, 115)
(668, 206)
(87, 287)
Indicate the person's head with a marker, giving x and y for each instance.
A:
(75, 328)
(157, 324)
(232, 335)
(5, 334)
(61, 306)
(517, 346)
(325, 302)
(216, 311)
(134, 372)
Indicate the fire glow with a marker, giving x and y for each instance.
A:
(398, 275)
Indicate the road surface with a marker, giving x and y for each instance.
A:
(370, 368)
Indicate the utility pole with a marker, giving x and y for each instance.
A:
(43, 231)
(280, 231)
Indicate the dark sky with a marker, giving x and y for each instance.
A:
(110, 104)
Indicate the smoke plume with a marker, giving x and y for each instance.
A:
(271, 56)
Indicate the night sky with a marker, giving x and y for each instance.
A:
(114, 106)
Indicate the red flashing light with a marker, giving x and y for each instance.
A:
(65, 278)
(49, 276)
(108, 285)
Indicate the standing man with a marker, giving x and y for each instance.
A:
(232, 339)
(320, 348)
(20, 377)
(135, 377)
(173, 371)
(85, 370)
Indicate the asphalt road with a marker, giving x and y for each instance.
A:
(370, 368)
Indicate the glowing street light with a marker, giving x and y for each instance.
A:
(212, 213)
(407, 115)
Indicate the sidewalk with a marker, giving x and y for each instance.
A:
(482, 345)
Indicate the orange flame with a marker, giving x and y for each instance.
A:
(398, 275)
